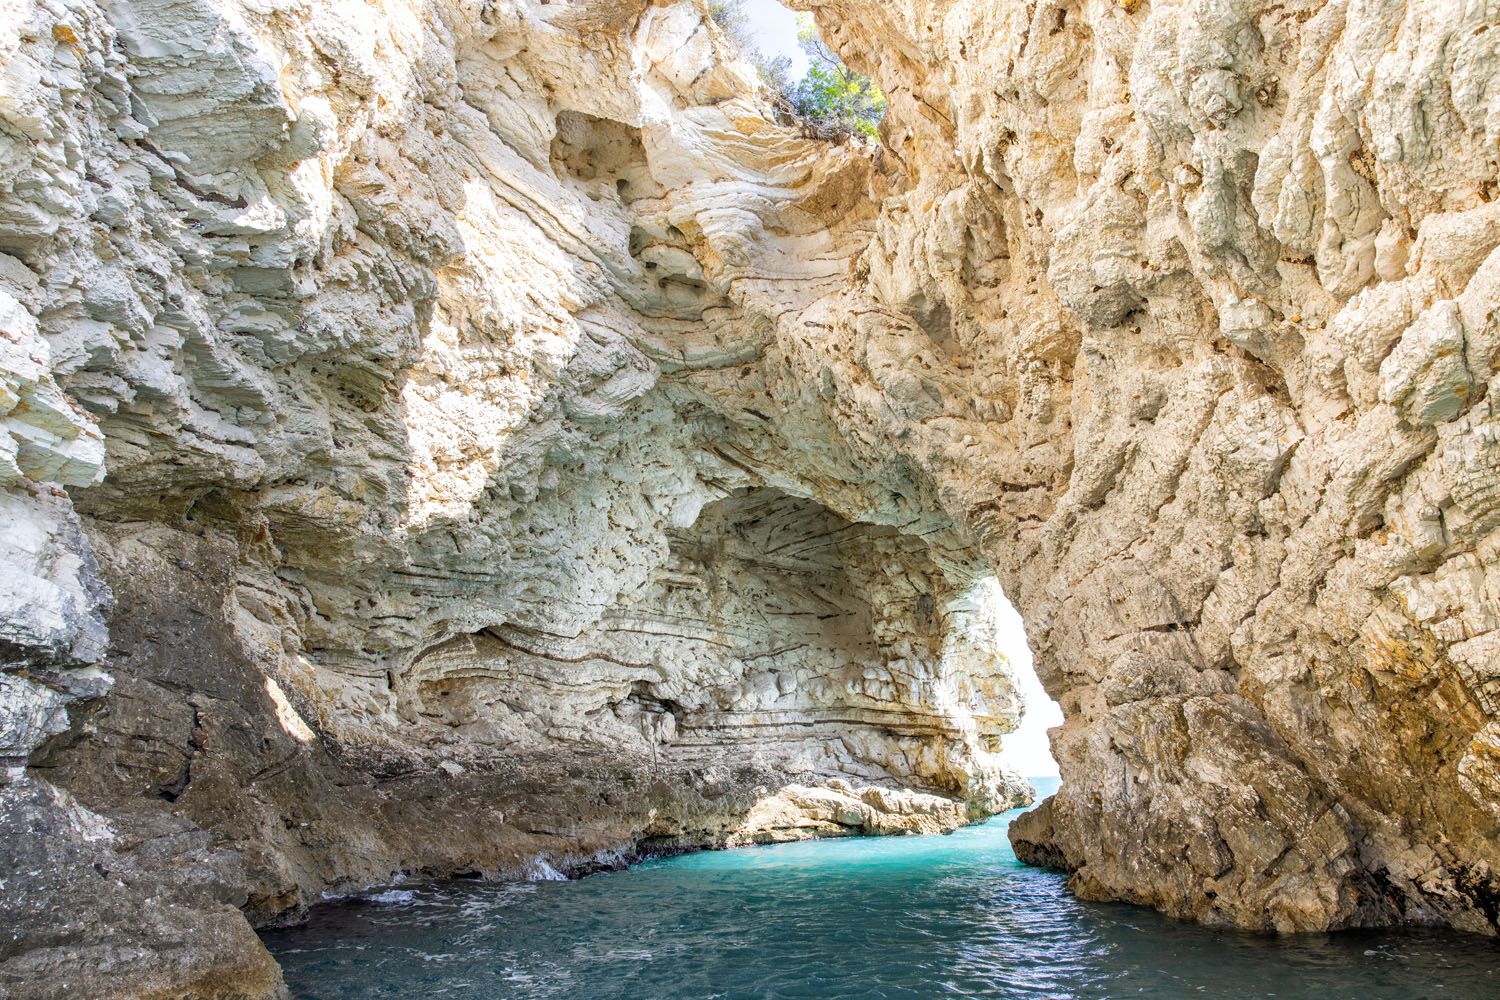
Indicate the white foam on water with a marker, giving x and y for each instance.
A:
(391, 897)
(541, 870)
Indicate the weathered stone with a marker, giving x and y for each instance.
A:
(520, 448)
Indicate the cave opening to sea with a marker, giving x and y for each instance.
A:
(853, 918)
(914, 918)
(523, 500)
(1025, 749)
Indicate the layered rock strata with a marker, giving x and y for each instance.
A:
(407, 477)
(457, 433)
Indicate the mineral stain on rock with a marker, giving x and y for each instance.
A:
(471, 435)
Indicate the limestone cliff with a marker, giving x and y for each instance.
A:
(1232, 271)
(460, 435)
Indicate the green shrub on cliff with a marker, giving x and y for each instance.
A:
(830, 93)
(831, 99)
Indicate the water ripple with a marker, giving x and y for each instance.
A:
(901, 918)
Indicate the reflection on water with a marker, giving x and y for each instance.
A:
(908, 917)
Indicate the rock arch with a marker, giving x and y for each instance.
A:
(366, 387)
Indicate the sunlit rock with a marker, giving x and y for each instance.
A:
(508, 441)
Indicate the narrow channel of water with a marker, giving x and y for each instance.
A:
(903, 917)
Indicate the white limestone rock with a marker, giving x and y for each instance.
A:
(562, 414)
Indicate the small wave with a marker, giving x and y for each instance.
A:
(541, 870)
(908, 919)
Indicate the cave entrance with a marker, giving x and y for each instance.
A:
(778, 643)
(1026, 749)
(830, 647)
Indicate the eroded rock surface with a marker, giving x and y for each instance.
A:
(1231, 269)
(459, 435)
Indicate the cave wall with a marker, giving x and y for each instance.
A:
(405, 478)
(1230, 272)
(771, 619)
(404, 406)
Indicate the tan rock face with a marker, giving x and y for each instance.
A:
(534, 410)
(1232, 280)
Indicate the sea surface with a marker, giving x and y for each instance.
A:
(858, 919)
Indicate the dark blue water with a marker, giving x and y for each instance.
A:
(904, 917)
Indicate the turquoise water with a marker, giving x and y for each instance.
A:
(904, 917)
